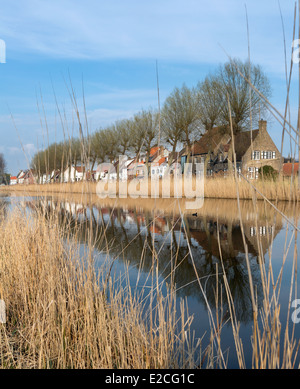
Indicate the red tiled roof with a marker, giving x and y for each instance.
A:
(288, 168)
(162, 160)
(154, 150)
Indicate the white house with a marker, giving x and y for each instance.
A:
(159, 162)
(20, 177)
(13, 180)
(73, 174)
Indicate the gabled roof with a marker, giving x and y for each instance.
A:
(162, 160)
(218, 137)
(154, 150)
(28, 173)
(242, 142)
(80, 169)
(21, 174)
(209, 141)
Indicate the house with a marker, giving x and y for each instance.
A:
(55, 175)
(13, 180)
(73, 174)
(157, 163)
(26, 177)
(158, 168)
(122, 168)
(30, 177)
(102, 171)
(253, 149)
(20, 177)
(136, 169)
(258, 153)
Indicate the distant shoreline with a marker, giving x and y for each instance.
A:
(218, 188)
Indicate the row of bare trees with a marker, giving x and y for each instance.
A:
(187, 113)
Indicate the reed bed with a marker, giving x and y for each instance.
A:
(282, 189)
(61, 313)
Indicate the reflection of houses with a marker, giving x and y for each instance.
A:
(211, 237)
(258, 238)
(253, 150)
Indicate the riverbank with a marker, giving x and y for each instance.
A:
(283, 189)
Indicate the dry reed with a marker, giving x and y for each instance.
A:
(282, 189)
(61, 313)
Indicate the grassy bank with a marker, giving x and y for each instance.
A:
(283, 189)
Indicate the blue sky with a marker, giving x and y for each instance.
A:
(111, 48)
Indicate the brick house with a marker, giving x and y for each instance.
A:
(253, 150)
(263, 151)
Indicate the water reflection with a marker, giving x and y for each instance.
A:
(202, 243)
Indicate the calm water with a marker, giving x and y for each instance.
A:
(197, 242)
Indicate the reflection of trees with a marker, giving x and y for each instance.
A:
(130, 236)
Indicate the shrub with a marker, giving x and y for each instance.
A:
(267, 172)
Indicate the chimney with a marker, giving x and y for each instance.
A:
(262, 125)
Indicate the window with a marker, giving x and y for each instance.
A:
(253, 172)
(262, 230)
(268, 154)
(256, 155)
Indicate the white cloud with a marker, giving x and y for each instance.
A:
(173, 30)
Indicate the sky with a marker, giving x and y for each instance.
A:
(107, 52)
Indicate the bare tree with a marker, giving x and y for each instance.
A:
(209, 102)
(231, 83)
(124, 128)
(146, 125)
(180, 117)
